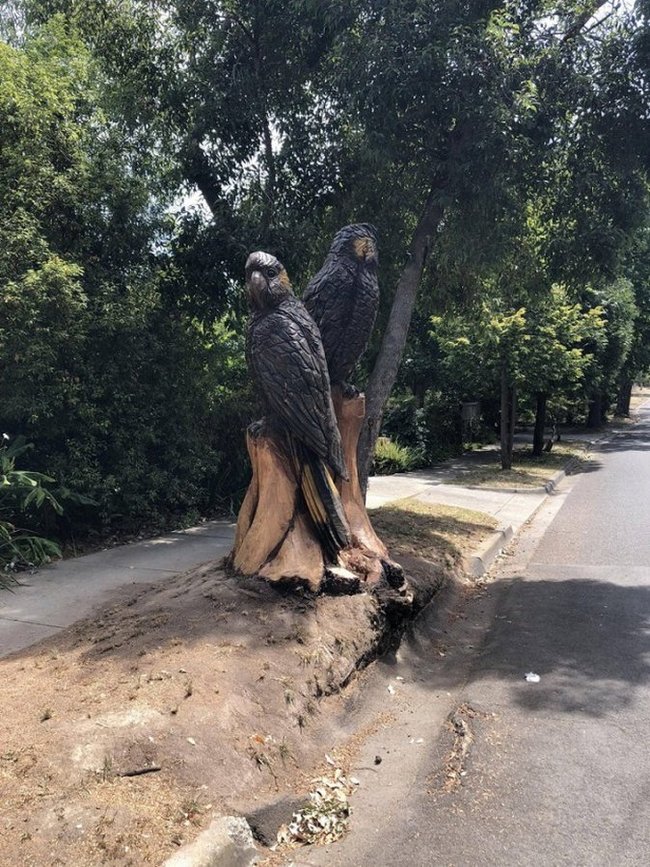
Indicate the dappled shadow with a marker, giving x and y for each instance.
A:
(639, 441)
(529, 472)
(584, 465)
(588, 640)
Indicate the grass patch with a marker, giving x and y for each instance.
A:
(639, 397)
(527, 471)
(440, 534)
(390, 457)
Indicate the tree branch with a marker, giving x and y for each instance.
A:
(198, 171)
(582, 20)
(388, 361)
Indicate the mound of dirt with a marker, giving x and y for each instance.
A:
(123, 735)
(216, 682)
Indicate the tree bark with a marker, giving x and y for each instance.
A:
(269, 186)
(198, 171)
(540, 423)
(508, 417)
(595, 415)
(624, 397)
(388, 361)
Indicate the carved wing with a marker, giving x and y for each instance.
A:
(326, 299)
(288, 363)
(343, 302)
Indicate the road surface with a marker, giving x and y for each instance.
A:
(555, 772)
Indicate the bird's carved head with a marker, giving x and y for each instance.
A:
(267, 281)
(358, 241)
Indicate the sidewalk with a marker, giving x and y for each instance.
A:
(59, 594)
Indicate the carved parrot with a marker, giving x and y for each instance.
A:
(287, 362)
(343, 299)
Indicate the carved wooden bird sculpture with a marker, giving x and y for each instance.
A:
(287, 362)
(343, 299)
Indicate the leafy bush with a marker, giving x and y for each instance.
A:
(391, 457)
(20, 492)
(431, 431)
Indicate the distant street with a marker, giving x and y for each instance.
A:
(547, 773)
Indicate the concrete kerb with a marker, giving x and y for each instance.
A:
(226, 842)
(555, 480)
(478, 563)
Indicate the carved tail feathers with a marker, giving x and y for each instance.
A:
(321, 499)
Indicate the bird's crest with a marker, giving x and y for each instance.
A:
(357, 239)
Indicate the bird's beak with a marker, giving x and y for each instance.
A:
(256, 285)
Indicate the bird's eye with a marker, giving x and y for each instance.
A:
(271, 272)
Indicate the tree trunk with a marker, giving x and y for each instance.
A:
(595, 416)
(624, 397)
(388, 361)
(540, 423)
(508, 416)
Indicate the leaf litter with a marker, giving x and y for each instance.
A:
(326, 817)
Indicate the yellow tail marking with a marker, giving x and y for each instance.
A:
(330, 483)
(315, 506)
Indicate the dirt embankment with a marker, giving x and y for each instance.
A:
(124, 734)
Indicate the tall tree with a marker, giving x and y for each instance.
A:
(435, 120)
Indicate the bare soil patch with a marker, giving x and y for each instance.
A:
(233, 689)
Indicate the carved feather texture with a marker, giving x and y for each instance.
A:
(343, 299)
(286, 358)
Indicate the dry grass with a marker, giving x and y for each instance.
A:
(431, 531)
(527, 471)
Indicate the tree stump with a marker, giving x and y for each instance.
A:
(275, 539)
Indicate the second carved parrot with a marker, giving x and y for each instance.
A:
(343, 299)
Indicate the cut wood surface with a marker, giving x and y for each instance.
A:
(350, 413)
(275, 538)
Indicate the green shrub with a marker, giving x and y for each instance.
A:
(391, 457)
(22, 491)
(432, 431)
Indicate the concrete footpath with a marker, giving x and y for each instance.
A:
(58, 595)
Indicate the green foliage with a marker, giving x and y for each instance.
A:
(130, 399)
(120, 309)
(552, 347)
(390, 457)
(637, 363)
(432, 431)
(22, 492)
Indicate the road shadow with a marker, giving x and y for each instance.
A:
(639, 441)
(589, 641)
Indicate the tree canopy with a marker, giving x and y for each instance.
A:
(148, 145)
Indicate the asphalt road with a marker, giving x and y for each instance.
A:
(549, 773)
